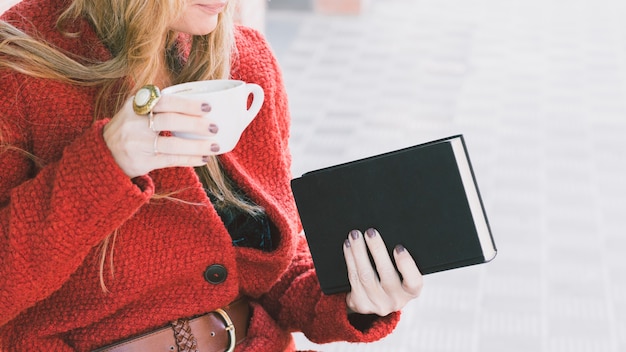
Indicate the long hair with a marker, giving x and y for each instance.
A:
(142, 45)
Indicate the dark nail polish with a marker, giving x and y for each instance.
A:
(215, 148)
(206, 159)
(370, 233)
(347, 243)
(205, 107)
(213, 128)
(400, 248)
(354, 234)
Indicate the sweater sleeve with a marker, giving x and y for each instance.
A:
(300, 305)
(52, 215)
(296, 300)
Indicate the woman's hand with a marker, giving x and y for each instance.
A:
(379, 290)
(138, 148)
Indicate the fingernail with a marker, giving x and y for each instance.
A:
(400, 248)
(215, 147)
(213, 128)
(354, 234)
(370, 233)
(347, 243)
(205, 107)
(206, 158)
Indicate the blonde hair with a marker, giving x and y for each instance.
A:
(130, 30)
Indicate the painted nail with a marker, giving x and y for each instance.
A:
(205, 107)
(215, 147)
(213, 128)
(400, 248)
(206, 158)
(347, 243)
(370, 233)
(354, 234)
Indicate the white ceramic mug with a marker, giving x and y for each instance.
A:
(229, 107)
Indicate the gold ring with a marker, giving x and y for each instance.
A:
(145, 99)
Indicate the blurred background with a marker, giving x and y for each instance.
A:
(537, 87)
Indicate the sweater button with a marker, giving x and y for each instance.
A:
(215, 274)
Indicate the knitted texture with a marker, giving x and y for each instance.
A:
(55, 213)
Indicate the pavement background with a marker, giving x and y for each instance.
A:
(537, 89)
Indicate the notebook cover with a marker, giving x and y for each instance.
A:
(414, 197)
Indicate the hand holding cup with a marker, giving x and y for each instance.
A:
(205, 118)
(228, 108)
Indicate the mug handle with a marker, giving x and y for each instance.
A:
(258, 96)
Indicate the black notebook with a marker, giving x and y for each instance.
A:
(424, 197)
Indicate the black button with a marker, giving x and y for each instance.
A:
(215, 274)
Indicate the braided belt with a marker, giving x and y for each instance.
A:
(216, 331)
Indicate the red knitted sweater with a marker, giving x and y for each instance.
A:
(54, 214)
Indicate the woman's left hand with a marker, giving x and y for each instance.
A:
(379, 290)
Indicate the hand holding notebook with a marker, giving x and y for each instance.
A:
(423, 197)
(377, 288)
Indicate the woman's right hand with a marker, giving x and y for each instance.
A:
(138, 149)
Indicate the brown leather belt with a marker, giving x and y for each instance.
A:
(216, 331)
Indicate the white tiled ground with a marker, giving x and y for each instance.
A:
(538, 89)
(5, 4)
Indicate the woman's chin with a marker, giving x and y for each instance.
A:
(200, 26)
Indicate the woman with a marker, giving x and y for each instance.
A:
(112, 230)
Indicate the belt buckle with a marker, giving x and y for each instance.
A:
(230, 327)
